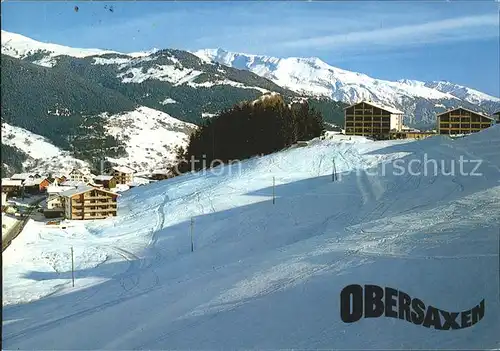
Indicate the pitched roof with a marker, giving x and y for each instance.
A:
(465, 109)
(84, 189)
(141, 180)
(380, 106)
(53, 197)
(83, 171)
(53, 189)
(74, 183)
(123, 169)
(11, 182)
(103, 177)
(22, 176)
(36, 181)
(160, 171)
(77, 190)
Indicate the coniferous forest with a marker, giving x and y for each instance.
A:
(248, 129)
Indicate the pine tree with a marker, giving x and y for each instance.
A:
(250, 128)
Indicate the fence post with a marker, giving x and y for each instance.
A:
(273, 189)
(191, 231)
(334, 171)
(72, 267)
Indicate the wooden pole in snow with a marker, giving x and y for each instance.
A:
(192, 244)
(72, 267)
(335, 169)
(273, 189)
(334, 172)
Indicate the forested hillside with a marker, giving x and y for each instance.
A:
(12, 160)
(72, 100)
(248, 129)
(58, 104)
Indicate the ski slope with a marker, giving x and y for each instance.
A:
(266, 275)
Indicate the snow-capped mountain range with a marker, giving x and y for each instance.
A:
(17, 45)
(168, 91)
(312, 76)
(143, 103)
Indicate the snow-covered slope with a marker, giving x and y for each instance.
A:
(19, 46)
(313, 76)
(43, 156)
(151, 137)
(266, 275)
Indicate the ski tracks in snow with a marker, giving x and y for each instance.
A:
(132, 278)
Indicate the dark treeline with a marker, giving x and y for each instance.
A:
(248, 129)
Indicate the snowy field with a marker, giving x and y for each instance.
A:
(266, 275)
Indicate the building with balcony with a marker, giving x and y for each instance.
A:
(371, 119)
(122, 175)
(106, 181)
(88, 202)
(80, 175)
(462, 121)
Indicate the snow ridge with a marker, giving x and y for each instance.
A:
(316, 77)
(20, 46)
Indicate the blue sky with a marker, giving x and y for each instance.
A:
(457, 41)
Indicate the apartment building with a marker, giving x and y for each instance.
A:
(122, 175)
(462, 121)
(107, 181)
(80, 175)
(88, 202)
(371, 119)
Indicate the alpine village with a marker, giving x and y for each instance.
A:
(82, 195)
